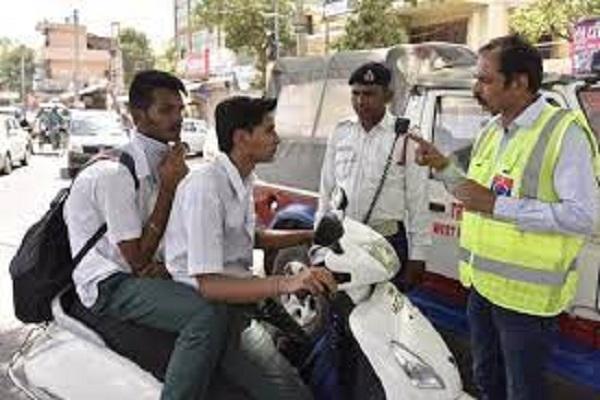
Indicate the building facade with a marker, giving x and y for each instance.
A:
(70, 56)
(471, 22)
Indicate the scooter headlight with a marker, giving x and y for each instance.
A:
(421, 374)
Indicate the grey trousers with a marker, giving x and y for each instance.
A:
(201, 327)
(217, 344)
(255, 366)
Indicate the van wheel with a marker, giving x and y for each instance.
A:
(7, 164)
(310, 312)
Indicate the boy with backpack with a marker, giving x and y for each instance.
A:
(120, 275)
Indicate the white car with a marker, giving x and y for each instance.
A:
(211, 145)
(193, 135)
(15, 144)
(90, 132)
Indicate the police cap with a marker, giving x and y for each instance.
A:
(371, 73)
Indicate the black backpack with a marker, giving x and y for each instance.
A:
(43, 264)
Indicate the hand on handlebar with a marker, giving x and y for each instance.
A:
(316, 280)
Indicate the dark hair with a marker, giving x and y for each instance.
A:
(239, 112)
(517, 56)
(141, 91)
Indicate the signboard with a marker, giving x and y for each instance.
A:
(335, 7)
(195, 65)
(586, 42)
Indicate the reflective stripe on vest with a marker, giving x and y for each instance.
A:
(516, 272)
(533, 170)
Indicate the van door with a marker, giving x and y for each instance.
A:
(587, 300)
(452, 119)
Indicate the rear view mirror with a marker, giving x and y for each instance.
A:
(329, 230)
(401, 125)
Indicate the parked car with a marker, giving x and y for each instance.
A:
(12, 111)
(90, 132)
(193, 135)
(440, 102)
(15, 144)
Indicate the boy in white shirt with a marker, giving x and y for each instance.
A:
(211, 234)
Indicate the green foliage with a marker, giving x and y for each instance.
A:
(374, 24)
(246, 25)
(137, 53)
(167, 61)
(10, 65)
(551, 17)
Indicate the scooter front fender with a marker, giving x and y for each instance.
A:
(387, 325)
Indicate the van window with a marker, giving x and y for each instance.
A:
(297, 108)
(337, 105)
(414, 109)
(457, 121)
(590, 103)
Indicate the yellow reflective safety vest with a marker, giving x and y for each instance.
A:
(529, 272)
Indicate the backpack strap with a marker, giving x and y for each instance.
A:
(89, 244)
(127, 160)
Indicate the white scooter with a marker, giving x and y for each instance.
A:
(67, 360)
(405, 352)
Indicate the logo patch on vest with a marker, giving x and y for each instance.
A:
(502, 185)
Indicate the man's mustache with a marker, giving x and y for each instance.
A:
(480, 100)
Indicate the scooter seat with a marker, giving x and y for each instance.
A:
(69, 322)
(149, 348)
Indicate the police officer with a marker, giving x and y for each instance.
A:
(363, 158)
(525, 221)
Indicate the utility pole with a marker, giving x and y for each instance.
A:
(301, 28)
(326, 18)
(23, 75)
(220, 13)
(76, 55)
(276, 26)
(116, 63)
(188, 29)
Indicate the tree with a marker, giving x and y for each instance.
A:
(137, 53)
(248, 25)
(551, 17)
(374, 24)
(167, 61)
(10, 65)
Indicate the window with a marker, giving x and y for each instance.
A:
(589, 98)
(457, 122)
(199, 41)
(296, 108)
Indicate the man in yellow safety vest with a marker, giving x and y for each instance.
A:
(530, 196)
